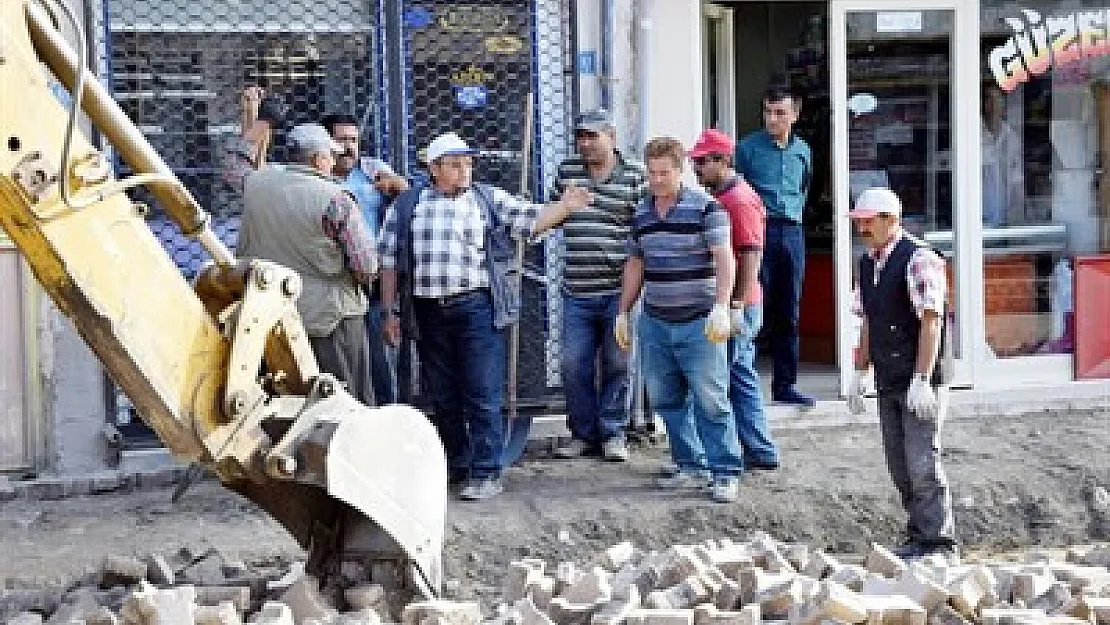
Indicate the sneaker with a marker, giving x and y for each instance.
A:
(481, 488)
(615, 450)
(574, 448)
(685, 479)
(725, 489)
(791, 396)
(457, 476)
(761, 465)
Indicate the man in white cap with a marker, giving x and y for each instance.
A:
(902, 286)
(447, 253)
(300, 217)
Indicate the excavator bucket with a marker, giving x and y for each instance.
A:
(379, 500)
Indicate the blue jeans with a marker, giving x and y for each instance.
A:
(381, 373)
(680, 362)
(593, 415)
(463, 357)
(782, 273)
(745, 394)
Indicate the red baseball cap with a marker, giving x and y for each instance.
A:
(712, 141)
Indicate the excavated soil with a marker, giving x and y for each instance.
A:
(1040, 480)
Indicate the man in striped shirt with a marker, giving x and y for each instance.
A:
(680, 255)
(596, 247)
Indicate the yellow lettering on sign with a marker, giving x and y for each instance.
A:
(471, 75)
(504, 44)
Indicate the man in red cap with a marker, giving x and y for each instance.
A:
(712, 159)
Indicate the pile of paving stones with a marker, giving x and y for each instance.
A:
(721, 582)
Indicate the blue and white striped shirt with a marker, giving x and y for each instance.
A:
(680, 281)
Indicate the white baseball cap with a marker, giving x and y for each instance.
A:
(312, 137)
(876, 201)
(447, 144)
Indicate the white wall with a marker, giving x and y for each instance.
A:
(674, 104)
(673, 63)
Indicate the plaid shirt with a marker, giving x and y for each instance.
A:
(926, 279)
(448, 240)
(343, 223)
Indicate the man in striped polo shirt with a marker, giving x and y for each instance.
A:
(596, 248)
(681, 257)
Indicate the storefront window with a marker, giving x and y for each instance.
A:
(1046, 197)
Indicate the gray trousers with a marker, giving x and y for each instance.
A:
(345, 353)
(912, 449)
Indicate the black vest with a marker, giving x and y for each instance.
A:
(892, 323)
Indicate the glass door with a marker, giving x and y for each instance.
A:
(900, 121)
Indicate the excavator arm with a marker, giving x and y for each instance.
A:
(222, 371)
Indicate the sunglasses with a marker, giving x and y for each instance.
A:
(701, 160)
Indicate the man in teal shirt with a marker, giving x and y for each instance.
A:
(779, 166)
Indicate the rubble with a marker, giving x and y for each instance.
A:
(721, 582)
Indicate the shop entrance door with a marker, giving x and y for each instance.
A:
(905, 117)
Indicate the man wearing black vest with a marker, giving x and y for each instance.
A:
(447, 252)
(902, 285)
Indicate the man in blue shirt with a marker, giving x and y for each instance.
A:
(779, 166)
(374, 185)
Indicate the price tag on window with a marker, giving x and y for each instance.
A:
(899, 21)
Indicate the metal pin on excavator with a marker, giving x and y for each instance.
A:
(350, 483)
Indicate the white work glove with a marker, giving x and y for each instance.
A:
(856, 392)
(719, 325)
(737, 316)
(622, 332)
(921, 399)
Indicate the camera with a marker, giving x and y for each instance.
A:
(272, 109)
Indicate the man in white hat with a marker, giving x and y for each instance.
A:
(902, 286)
(447, 252)
(299, 216)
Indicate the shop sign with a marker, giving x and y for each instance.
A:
(504, 44)
(1039, 44)
(899, 22)
(469, 86)
(474, 18)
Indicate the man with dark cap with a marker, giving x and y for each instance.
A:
(596, 240)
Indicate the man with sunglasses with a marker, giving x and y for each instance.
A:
(712, 159)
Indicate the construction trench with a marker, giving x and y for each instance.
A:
(577, 542)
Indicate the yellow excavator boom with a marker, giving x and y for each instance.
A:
(349, 482)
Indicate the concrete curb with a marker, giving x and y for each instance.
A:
(55, 487)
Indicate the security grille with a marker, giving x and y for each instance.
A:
(177, 68)
(472, 67)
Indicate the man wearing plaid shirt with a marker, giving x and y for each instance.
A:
(902, 286)
(444, 251)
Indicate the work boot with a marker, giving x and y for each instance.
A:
(725, 489)
(614, 450)
(574, 448)
(790, 395)
(480, 488)
(685, 478)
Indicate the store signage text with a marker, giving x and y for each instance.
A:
(1039, 44)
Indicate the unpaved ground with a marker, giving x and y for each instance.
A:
(1041, 480)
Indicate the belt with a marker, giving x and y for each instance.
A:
(783, 221)
(456, 298)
